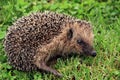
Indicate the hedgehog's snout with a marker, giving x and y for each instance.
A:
(88, 50)
(93, 53)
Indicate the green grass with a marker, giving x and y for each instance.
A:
(105, 18)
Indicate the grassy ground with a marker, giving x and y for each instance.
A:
(104, 16)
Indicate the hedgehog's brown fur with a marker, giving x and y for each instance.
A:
(32, 40)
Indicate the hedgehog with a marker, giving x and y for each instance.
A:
(34, 39)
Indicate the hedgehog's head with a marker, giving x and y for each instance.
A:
(80, 38)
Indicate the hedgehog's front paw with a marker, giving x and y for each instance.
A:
(57, 74)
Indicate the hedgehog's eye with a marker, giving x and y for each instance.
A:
(79, 41)
(70, 34)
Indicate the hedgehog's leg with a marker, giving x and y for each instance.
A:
(42, 65)
(49, 69)
(40, 62)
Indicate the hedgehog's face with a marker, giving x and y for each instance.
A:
(81, 38)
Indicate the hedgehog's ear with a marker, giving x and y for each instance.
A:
(70, 34)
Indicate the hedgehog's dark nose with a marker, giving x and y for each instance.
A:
(93, 54)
